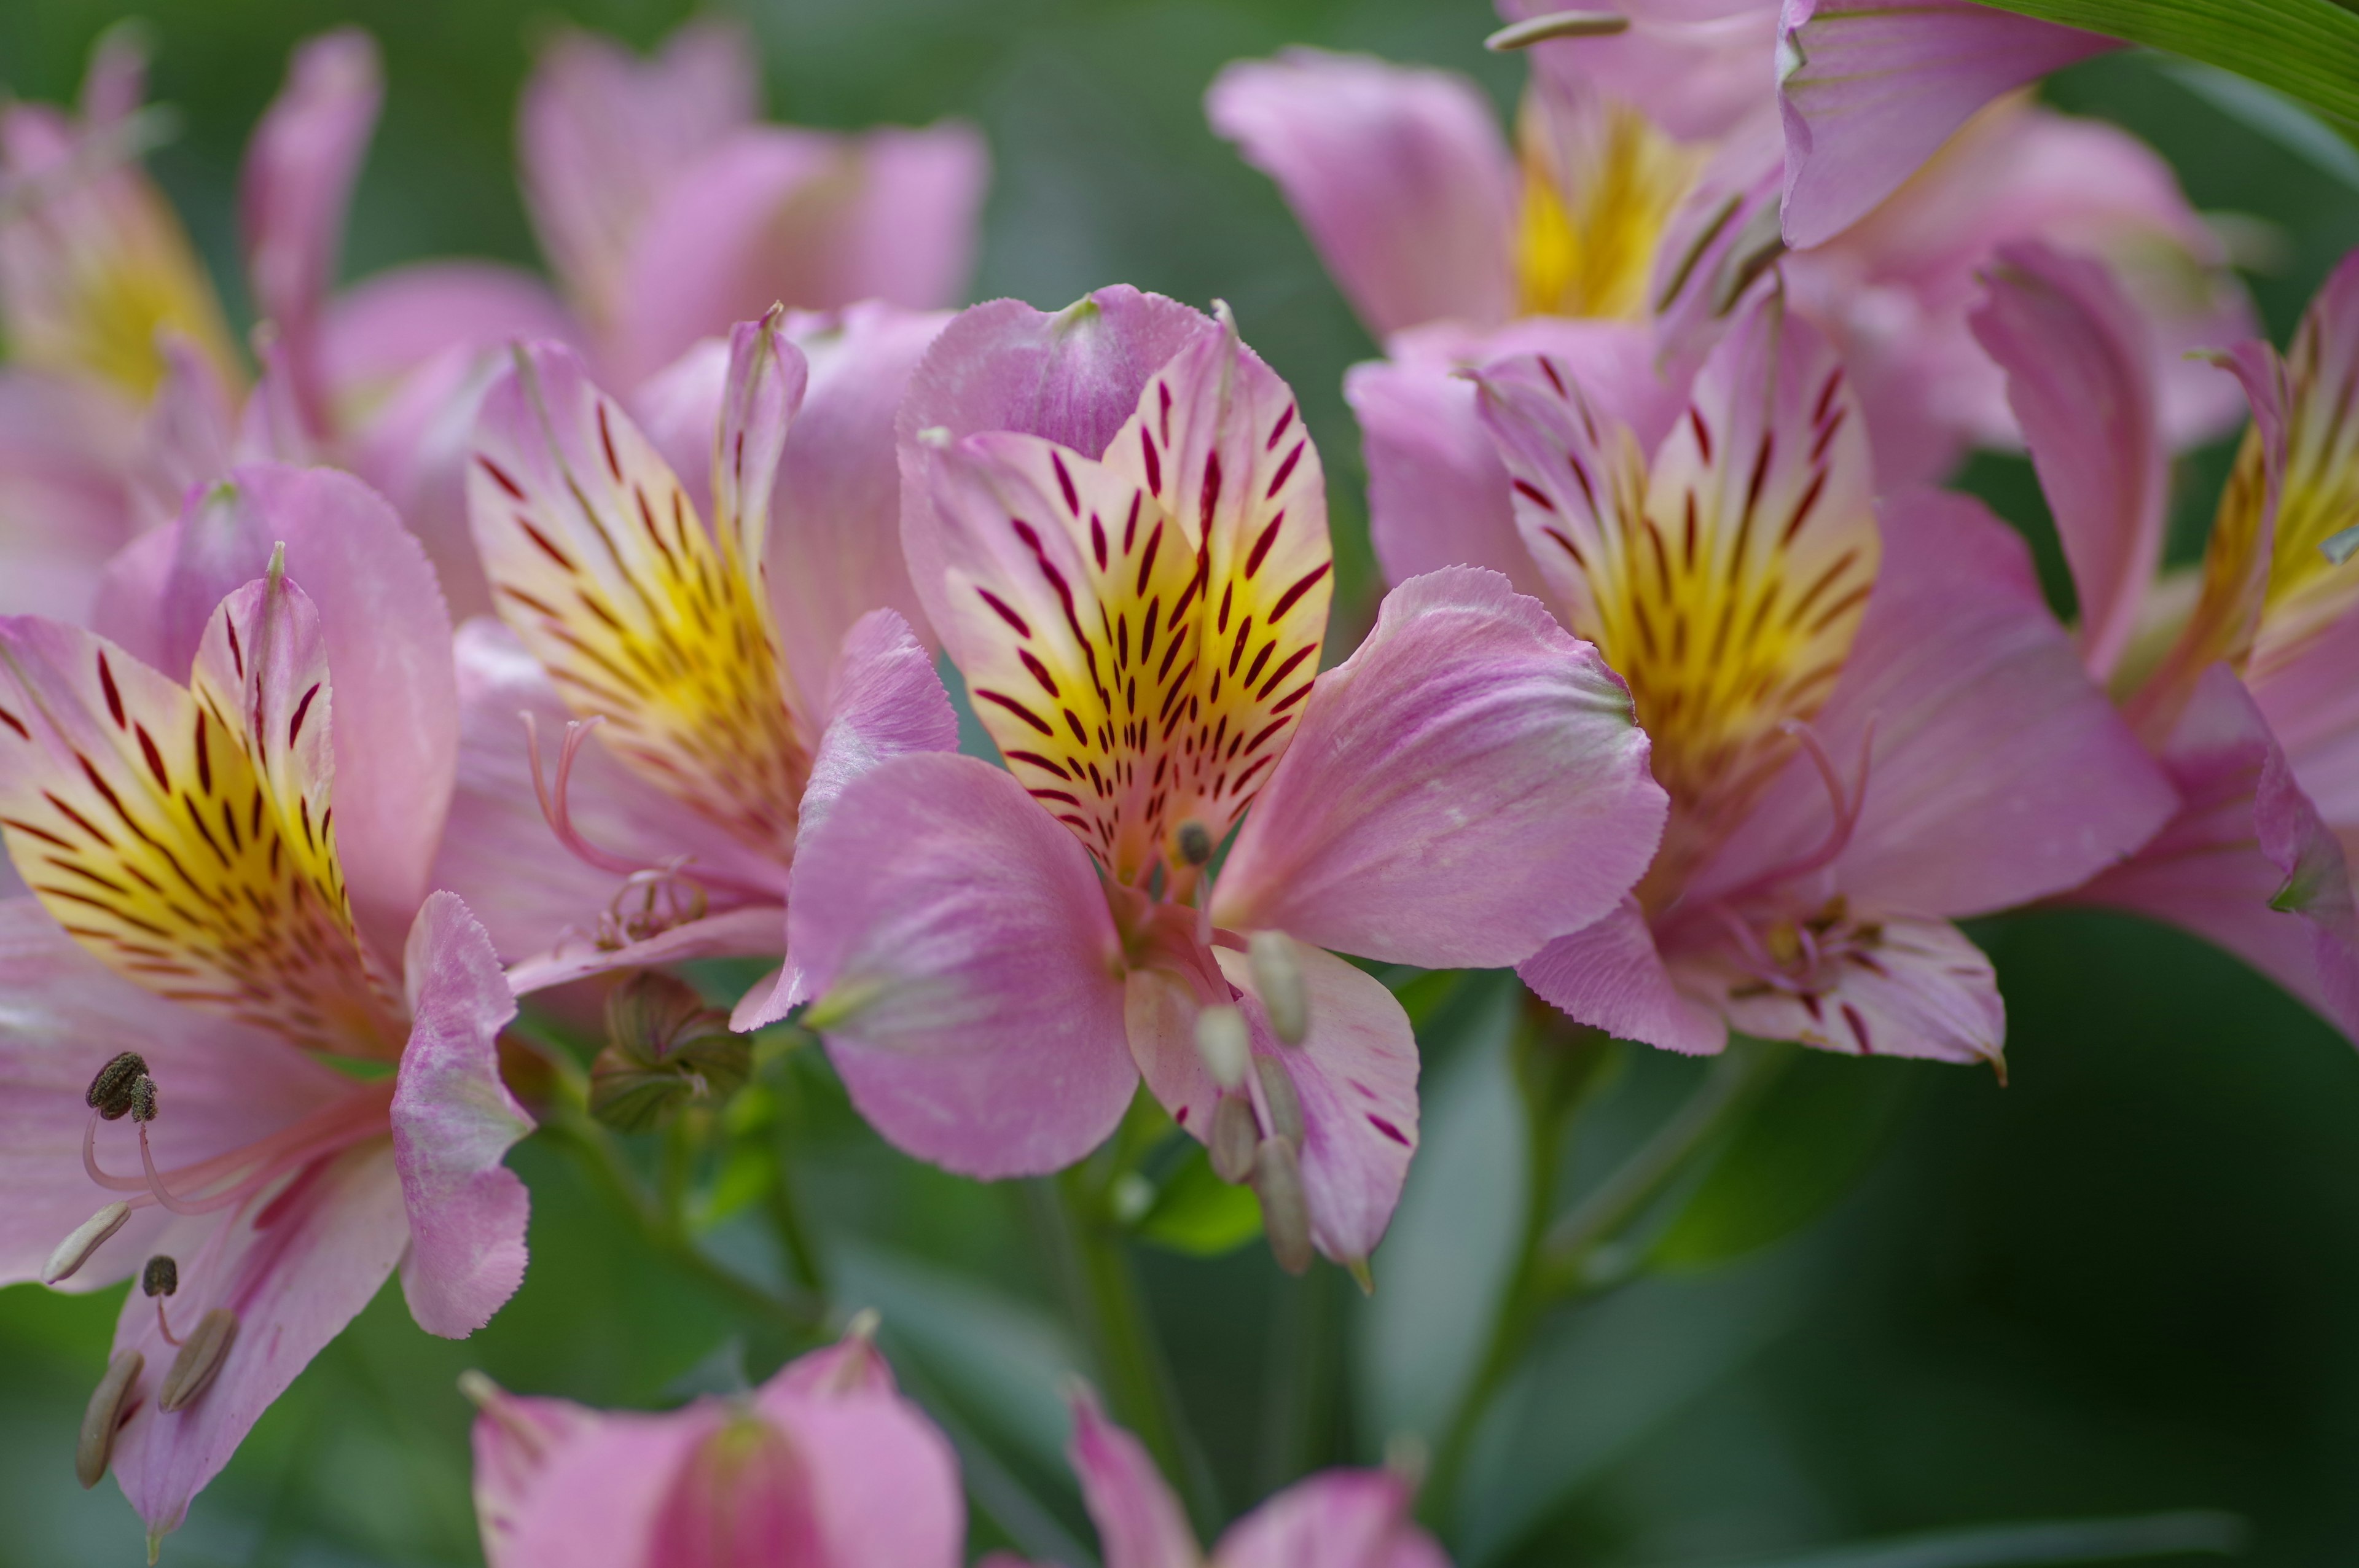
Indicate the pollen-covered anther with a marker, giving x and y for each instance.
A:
(1223, 1043)
(1285, 1211)
(110, 1092)
(87, 1238)
(161, 1277)
(142, 1100)
(1277, 975)
(110, 1402)
(200, 1360)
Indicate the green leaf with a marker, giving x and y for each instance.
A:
(1813, 1134)
(1197, 1213)
(2307, 48)
(2047, 1541)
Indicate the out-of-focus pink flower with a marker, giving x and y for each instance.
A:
(1118, 527)
(228, 882)
(825, 1466)
(1337, 1519)
(2240, 680)
(738, 675)
(1867, 718)
(668, 212)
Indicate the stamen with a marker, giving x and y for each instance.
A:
(1223, 1041)
(172, 1199)
(1556, 25)
(200, 1360)
(88, 1237)
(1234, 1139)
(1277, 1096)
(102, 1417)
(1846, 809)
(1285, 1212)
(159, 1278)
(559, 816)
(2340, 547)
(1278, 976)
(1194, 842)
(110, 1092)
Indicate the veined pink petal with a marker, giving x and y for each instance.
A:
(1468, 785)
(64, 508)
(600, 132)
(1998, 774)
(392, 323)
(812, 219)
(389, 645)
(1611, 976)
(963, 956)
(2076, 357)
(299, 171)
(1139, 1521)
(751, 931)
(2246, 863)
(222, 1086)
(1438, 494)
(1869, 93)
(1697, 68)
(1920, 989)
(514, 1439)
(597, 1497)
(295, 1269)
(884, 700)
(884, 1481)
(1400, 175)
(2312, 707)
(1337, 1519)
(452, 1121)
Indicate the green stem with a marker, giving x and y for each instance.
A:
(1138, 1380)
(794, 1234)
(1301, 1379)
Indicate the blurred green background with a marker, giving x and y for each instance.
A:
(2128, 1282)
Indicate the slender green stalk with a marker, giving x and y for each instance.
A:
(1299, 1384)
(786, 1219)
(1104, 1298)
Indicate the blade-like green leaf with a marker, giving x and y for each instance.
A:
(2307, 48)
(2048, 1542)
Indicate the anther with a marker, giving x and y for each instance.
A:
(88, 1237)
(1194, 842)
(1556, 25)
(142, 1104)
(161, 1277)
(1277, 1093)
(110, 1093)
(2340, 547)
(1284, 1213)
(200, 1360)
(1277, 975)
(1223, 1042)
(1234, 1139)
(102, 1417)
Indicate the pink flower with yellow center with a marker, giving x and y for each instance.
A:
(1867, 721)
(228, 891)
(1118, 524)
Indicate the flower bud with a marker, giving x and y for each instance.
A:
(200, 1357)
(88, 1237)
(110, 1091)
(102, 1418)
(1277, 1091)
(1285, 1212)
(1223, 1041)
(1278, 976)
(665, 1048)
(744, 1497)
(1234, 1137)
(161, 1277)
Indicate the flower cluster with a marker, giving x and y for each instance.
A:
(468, 646)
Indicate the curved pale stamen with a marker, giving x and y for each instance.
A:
(164, 1326)
(559, 816)
(246, 1168)
(1846, 809)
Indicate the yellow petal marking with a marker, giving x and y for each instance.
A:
(1600, 183)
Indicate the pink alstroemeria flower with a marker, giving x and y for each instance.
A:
(1337, 1519)
(729, 678)
(1118, 527)
(1868, 722)
(825, 1466)
(1648, 178)
(668, 212)
(228, 886)
(2240, 678)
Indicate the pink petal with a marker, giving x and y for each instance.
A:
(811, 218)
(295, 1270)
(2246, 863)
(1868, 94)
(1438, 494)
(1139, 1521)
(884, 700)
(1998, 772)
(221, 1085)
(1337, 1519)
(1697, 68)
(1400, 175)
(393, 323)
(753, 931)
(2076, 356)
(1468, 785)
(300, 172)
(64, 508)
(598, 1496)
(963, 959)
(2312, 707)
(600, 133)
(514, 1438)
(884, 1479)
(1927, 993)
(1611, 976)
(389, 643)
(452, 1121)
